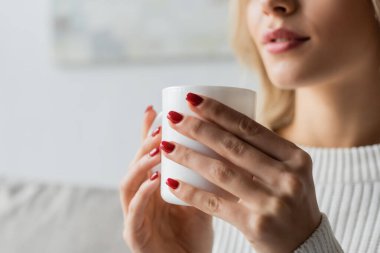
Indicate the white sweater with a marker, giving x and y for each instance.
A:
(347, 182)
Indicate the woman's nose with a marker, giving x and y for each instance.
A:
(278, 7)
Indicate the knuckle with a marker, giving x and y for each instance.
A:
(188, 194)
(234, 145)
(144, 148)
(138, 165)
(221, 172)
(260, 226)
(278, 206)
(132, 208)
(247, 126)
(126, 191)
(123, 186)
(212, 204)
(301, 160)
(282, 168)
(255, 183)
(197, 126)
(216, 108)
(186, 155)
(293, 184)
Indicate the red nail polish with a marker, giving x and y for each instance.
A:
(149, 108)
(174, 117)
(154, 152)
(157, 131)
(172, 183)
(194, 99)
(167, 146)
(154, 176)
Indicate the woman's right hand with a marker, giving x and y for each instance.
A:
(151, 224)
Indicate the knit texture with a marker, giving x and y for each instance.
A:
(347, 182)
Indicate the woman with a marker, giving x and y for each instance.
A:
(320, 70)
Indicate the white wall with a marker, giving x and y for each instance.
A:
(76, 125)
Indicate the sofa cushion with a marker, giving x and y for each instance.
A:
(58, 218)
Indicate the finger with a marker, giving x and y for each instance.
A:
(149, 143)
(225, 175)
(137, 206)
(231, 147)
(244, 127)
(149, 116)
(136, 175)
(232, 212)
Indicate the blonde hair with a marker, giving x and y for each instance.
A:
(277, 105)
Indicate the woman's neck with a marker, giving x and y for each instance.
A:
(342, 114)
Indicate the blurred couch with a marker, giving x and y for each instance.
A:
(54, 218)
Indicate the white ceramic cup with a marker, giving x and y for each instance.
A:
(174, 99)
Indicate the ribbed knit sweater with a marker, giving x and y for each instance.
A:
(347, 182)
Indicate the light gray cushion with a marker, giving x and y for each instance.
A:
(53, 218)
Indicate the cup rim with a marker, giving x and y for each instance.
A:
(208, 86)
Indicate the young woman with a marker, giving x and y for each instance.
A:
(319, 63)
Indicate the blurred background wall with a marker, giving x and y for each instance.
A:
(79, 125)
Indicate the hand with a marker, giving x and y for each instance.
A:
(276, 207)
(150, 224)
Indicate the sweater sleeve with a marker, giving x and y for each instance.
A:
(322, 240)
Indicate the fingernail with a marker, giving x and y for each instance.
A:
(174, 117)
(154, 176)
(150, 107)
(154, 152)
(194, 99)
(157, 131)
(167, 146)
(172, 183)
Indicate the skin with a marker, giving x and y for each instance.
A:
(338, 69)
(151, 224)
(276, 207)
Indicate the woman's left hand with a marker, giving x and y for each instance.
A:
(275, 205)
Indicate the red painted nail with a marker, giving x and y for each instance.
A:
(157, 131)
(167, 146)
(174, 117)
(150, 107)
(172, 183)
(154, 176)
(154, 152)
(194, 99)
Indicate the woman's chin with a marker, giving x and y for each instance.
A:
(285, 83)
(289, 80)
(289, 75)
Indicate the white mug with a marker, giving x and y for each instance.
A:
(174, 99)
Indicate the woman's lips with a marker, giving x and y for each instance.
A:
(284, 46)
(282, 39)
